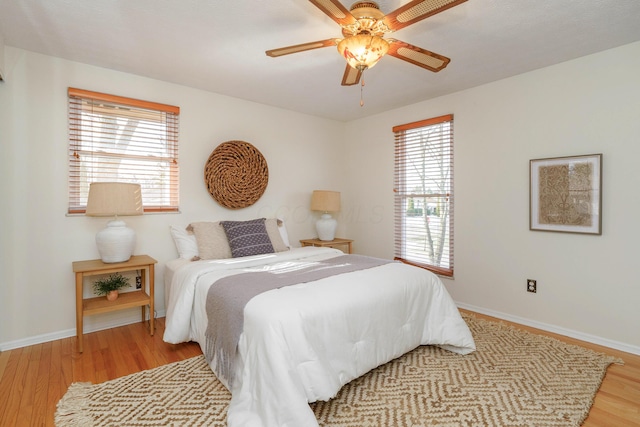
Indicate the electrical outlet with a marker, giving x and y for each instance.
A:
(532, 286)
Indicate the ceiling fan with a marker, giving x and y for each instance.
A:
(364, 27)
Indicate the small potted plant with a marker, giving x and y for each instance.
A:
(109, 286)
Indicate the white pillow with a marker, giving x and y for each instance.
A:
(283, 233)
(185, 243)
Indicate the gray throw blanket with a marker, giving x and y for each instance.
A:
(228, 296)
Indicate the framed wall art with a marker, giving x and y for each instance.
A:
(566, 194)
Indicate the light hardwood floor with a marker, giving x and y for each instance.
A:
(34, 378)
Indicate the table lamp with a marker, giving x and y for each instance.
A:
(326, 201)
(116, 241)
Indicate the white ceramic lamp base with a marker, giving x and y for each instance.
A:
(116, 242)
(326, 227)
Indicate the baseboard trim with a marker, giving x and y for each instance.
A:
(58, 335)
(39, 339)
(593, 339)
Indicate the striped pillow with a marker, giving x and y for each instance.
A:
(247, 237)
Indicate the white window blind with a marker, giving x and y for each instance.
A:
(423, 187)
(117, 139)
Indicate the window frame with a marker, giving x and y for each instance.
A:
(165, 119)
(404, 135)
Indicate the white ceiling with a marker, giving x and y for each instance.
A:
(219, 45)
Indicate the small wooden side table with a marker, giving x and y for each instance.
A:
(335, 243)
(140, 298)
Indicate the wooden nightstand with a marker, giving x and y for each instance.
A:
(139, 298)
(335, 243)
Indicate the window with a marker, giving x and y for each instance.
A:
(116, 139)
(423, 190)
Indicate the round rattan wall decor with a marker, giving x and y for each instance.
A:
(236, 174)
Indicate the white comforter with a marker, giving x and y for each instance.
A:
(302, 343)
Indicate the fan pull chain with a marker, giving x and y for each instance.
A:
(361, 90)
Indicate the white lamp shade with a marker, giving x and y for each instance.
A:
(116, 242)
(326, 201)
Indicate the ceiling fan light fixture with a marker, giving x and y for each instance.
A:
(363, 51)
(364, 27)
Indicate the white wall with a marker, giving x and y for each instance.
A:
(588, 285)
(38, 241)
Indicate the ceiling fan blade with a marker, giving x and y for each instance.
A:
(302, 47)
(417, 10)
(351, 76)
(335, 10)
(417, 56)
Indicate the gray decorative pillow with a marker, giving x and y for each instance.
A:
(247, 237)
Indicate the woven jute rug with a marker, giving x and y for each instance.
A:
(515, 378)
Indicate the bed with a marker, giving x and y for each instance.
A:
(302, 342)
